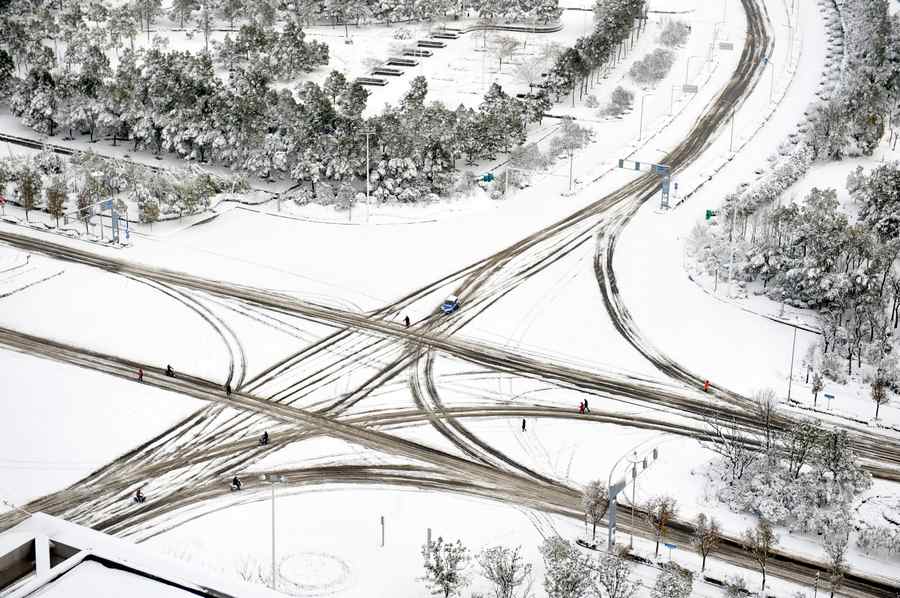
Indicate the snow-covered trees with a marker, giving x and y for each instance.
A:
(659, 512)
(620, 100)
(614, 22)
(675, 33)
(445, 564)
(28, 183)
(56, 197)
(836, 541)
(879, 394)
(504, 47)
(594, 501)
(541, 11)
(571, 137)
(506, 570)
(707, 536)
(567, 569)
(759, 542)
(673, 581)
(812, 254)
(653, 67)
(805, 481)
(612, 577)
(853, 121)
(282, 54)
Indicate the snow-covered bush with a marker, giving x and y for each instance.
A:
(736, 587)
(620, 100)
(806, 482)
(653, 67)
(875, 539)
(673, 581)
(675, 33)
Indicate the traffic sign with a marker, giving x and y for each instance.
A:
(726, 46)
(106, 205)
(2, 200)
(669, 546)
(487, 178)
(689, 88)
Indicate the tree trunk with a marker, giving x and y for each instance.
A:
(657, 548)
(877, 407)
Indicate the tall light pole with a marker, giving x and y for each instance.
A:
(791, 375)
(772, 82)
(641, 131)
(367, 134)
(272, 480)
(731, 142)
(687, 68)
(672, 100)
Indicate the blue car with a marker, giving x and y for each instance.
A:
(450, 304)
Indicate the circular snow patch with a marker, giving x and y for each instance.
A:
(313, 573)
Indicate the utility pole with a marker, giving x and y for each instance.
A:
(731, 142)
(272, 480)
(791, 376)
(687, 68)
(368, 205)
(641, 131)
(633, 498)
(382, 531)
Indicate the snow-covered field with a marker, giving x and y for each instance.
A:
(328, 540)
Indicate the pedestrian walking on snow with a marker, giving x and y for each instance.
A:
(706, 386)
(581, 408)
(406, 321)
(140, 374)
(586, 408)
(228, 389)
(523, 424)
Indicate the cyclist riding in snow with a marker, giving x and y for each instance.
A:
(235, 483)
(170, 372)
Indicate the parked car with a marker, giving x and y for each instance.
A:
(450, 304)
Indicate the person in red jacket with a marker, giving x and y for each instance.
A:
(706, 386)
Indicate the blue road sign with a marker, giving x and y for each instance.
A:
(106, 205)
(670, 546)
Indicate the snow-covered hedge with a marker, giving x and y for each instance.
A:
(653, 67)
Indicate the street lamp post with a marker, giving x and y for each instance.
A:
(672, 100)
(772, 79)
(272, 480)
(687, 68)
(791, 375)
(731, 142)
(641, 131)
(367, 134)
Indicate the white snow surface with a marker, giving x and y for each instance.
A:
(60, 422)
